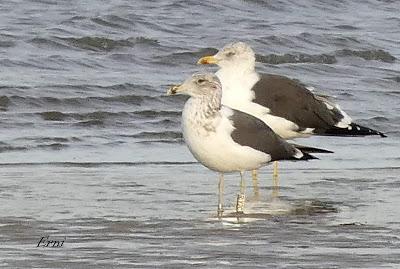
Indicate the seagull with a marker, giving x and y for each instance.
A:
(225, 139)
(285, 105)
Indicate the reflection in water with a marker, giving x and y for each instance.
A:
(260, 207)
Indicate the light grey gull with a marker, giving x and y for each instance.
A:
(225, 139)
(285, 105)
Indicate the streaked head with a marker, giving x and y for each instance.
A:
(235, 55)
(198, 85)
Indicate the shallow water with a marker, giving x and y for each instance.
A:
(91, 150)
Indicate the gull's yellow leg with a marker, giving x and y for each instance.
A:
(220, 210)
(241, 196)
(256, 189)
(275, 180)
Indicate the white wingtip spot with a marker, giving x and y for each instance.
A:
(298, 154)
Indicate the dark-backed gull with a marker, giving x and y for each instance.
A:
(225, 139)
(285, 105)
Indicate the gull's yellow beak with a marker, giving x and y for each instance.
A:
(207, 60)
(173, 90)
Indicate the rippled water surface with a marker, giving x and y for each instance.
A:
(91, 151)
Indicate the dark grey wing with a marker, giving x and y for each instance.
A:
(252, 132)
(289, 99)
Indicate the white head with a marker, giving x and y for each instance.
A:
(236, 55)
(199, 85)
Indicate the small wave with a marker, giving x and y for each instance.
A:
(6, 44)
(165, 122)
(140, 89)
(145, 40)
(52, 146)
(94, 118)
(126, 87)
(108, 21)
(380, 119)
(53, 115)
(4, 103)
(106, 44)
(324, 39)
(55, 139)
(346, 94)
(346, 27)
(378, 55)
(396, 78)
(102, 115)
(107, 115)
(7, 148)
(92, 43)
(296, 58)
(77, 101)
(157, 135)
(274, 6)
(48, 43)
(157, 113)
(97, 43)
(275, 59)
(90, 123)
(393, 93)
(128, 99)
(47, 2)
(164, 141)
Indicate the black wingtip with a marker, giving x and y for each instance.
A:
(308, 149)
(352, 130)
(307, 157)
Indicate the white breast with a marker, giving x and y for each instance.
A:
(216, 149)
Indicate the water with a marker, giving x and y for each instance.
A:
(91, 150)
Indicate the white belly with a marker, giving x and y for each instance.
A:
(217, 150)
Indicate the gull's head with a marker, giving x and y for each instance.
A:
(237, 55)
(198, 85)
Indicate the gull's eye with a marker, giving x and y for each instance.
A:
(201, 81)
(230, 54)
